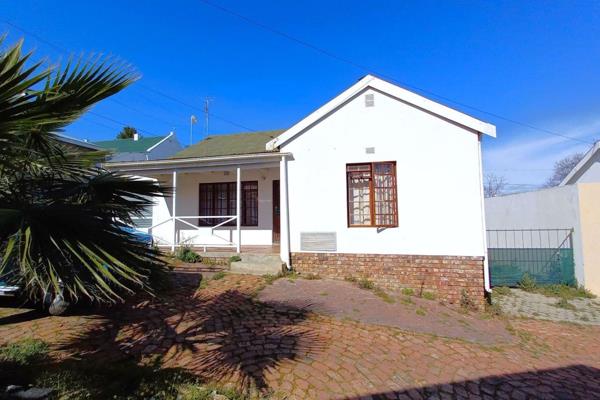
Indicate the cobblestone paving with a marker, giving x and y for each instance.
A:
(534, 305)
(223, 333)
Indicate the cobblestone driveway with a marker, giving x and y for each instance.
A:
(222, 333)
(534, 305)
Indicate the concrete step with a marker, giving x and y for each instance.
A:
(257, 264)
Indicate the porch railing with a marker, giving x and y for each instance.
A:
(177, 241)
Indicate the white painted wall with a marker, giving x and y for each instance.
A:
(187, 205)
(590, 174)
(542, 209)
(439, 188)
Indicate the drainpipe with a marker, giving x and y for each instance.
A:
(486, 268)
(284, 234)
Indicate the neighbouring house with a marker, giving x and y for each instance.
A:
(378, 183)
(142, 148)
(552, 234)
(76, 144)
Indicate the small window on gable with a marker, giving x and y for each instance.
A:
(372, 194)
(369, 100)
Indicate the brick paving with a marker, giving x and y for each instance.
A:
(520, 303)
(222, 333)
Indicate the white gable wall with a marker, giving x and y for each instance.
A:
(438, 178)
(590, 174)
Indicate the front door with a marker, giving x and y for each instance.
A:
(276, 217)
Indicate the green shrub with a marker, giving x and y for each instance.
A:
(234, 259)
(350, 279)
(24, 352)
(527, 283)
(565, 291)
(219, 275)
(187, 255)
(428, 295)
(420, 311)
(407, 291)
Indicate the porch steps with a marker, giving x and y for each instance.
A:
(257, 264)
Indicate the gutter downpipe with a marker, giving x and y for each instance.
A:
(486, 267)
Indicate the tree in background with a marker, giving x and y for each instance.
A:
(127, 132)
(63, 219)
(562, 168)
(494, 185)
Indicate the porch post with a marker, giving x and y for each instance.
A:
(174, 199)
(284, 240)
(238, 208)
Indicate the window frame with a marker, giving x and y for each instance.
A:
(372, 208)
(213, 206)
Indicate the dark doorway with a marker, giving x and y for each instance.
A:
(276, 214)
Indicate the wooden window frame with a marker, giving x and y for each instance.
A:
(372, 207)
(213, 207)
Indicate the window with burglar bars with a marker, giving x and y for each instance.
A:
(220, 199)
(372, 194)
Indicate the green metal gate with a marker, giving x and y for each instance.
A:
(544, 254)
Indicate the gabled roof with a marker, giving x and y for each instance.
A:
(141, 145)
(227, 145)
(582, 165)
(392, 90)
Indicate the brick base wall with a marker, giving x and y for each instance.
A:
(446, 276)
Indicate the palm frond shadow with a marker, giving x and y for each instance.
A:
(223, 336)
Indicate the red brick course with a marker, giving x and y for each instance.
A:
(447, 276)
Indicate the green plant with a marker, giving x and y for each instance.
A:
(350, 279)
(565, 291)
(383, 295)
(428, 295)
(270, 278)
(219, 275)
(466, 302)
(234, 259)
(64, 217)
(408, 291)
(187, 255)
(564, 303)
(527, 283)
(24, 352)
(364, 283)
(420, 311)
(501, 290)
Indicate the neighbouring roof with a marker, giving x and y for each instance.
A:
(370, 81)
(76, 142)
(229, 145)
(129, 145)
(583, 164)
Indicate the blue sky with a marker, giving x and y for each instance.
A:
(535, 62)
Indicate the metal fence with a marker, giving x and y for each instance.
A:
(546, 255)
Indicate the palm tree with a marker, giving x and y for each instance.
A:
(62, 216)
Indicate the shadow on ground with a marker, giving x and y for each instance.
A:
(219, 335)
(571, 382)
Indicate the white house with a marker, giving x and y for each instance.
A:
(379, 183)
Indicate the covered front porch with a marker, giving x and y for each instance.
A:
(230, 204)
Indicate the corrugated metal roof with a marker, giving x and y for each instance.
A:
(130, 145)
